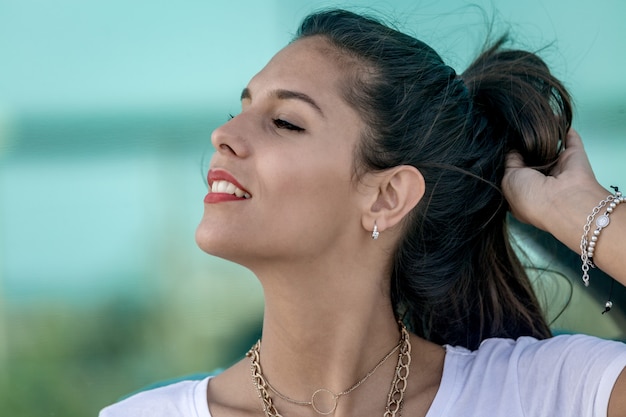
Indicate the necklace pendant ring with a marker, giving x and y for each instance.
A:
(334, 397)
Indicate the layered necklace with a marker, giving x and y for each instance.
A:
(394, 398)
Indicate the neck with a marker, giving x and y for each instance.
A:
(324, 401)
(326, 330)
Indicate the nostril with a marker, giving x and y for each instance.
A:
(227, 148)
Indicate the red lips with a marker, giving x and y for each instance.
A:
(217, 197)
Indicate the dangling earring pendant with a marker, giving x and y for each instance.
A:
(375, 232)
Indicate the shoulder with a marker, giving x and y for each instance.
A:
(508, 377)
(529, 360)
(181, 399)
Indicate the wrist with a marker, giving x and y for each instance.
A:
(569, 210)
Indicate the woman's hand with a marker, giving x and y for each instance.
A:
(560, 202)
(534, 197)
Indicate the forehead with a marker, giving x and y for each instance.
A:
(306, 65)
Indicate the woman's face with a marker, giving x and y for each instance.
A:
(281, 180)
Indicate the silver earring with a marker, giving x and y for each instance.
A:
(375, 232)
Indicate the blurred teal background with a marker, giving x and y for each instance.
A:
(106, 109)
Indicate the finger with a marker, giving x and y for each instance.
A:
(514, 160)
(573, 140)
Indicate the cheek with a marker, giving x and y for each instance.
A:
(311, 187)
(308, 173)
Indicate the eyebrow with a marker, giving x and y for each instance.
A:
(287, 95)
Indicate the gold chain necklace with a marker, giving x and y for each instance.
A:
(323, 391)
(394, 398)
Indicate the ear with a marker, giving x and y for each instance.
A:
(397, 192)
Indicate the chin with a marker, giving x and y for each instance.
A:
(217, 244)
(206, 240)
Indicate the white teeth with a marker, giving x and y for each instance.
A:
(230, 189)
(226, 187)
(222, 186)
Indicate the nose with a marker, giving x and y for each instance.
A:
(229, 138)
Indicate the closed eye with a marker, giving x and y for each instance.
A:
(282, 124)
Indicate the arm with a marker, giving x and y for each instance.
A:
(559, 203)
(617, 403)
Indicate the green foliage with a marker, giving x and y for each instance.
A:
(61, 360)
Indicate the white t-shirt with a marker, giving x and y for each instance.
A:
(569, 375)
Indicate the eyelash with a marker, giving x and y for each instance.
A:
(279, 123)
(282, 124)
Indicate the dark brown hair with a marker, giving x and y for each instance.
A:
(456, 278)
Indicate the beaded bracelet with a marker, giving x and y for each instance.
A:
(587, 247)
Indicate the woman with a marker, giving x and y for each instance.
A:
(361, 183)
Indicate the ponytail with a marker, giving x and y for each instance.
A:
(517, 100)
